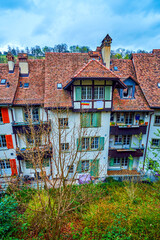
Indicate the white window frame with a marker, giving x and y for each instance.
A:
(157, 123)
(86, 93)
(94, 143)
(85, 143)
(97, 92)
(85, 165)
(3, 143)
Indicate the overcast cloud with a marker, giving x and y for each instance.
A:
(132, 24)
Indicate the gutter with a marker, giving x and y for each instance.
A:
(147, 139)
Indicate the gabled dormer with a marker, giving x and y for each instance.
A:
(129, 92)
(92, 87)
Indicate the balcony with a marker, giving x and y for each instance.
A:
(26, 153)
(126, 152)
(128, 129)
(23, 127)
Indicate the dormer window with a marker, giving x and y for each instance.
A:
(59, 85)
(128, 93)
(3, 81)
(115, 68)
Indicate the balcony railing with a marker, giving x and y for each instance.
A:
(127, 129)
(23, 127)
(126, 152)
(26, 153)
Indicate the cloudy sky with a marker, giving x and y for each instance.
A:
(132, 24)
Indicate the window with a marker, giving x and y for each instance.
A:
(59, 85)
(36, 140)
(3, 81)
(2, 141)
(112, 117)
(26, 85)
(35, 115)
(90, 143)
(85, 143)
(86, 93)
(122, 140)
(98, 93)
(155, 142)
(94, 143)
(91, 119)
(126, 140)
(5, 164)
(117, 161)
(85, 166)
(120, 117)
(64, 146)
(63, 122)
(115, 68)
(124, 162)
(127, 93)
(45, 163)
(157, 120)
(31, 114)
(128, 118)
(70, 169)
(118, 139)
(1, 119)
(90, 166)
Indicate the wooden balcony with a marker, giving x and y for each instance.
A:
(128, 129)
(124, 152)
(26, 153)
(23, 127)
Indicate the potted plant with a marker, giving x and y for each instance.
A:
(146, 123)
(141, 122)
(112, 123)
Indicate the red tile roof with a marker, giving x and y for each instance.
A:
(7, 94)
(95, 69)
(147, 68)
(60, 68)
(126, 70)
(34, 94)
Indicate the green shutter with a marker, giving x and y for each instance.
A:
(111, 162)
(96, 119)
(86, 120)
(79, 145)
(101, 143)
(79, 167)
(130, 164)
(107, 92)
(78, 93)
(94, 167)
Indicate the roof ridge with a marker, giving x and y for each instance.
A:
(83, 68)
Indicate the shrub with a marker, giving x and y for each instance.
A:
(8, 217)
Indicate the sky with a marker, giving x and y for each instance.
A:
(132, 24)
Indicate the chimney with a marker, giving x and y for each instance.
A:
(10, 59)
(106, 50)
(23, 64)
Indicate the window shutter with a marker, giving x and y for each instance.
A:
(97, 119)
(9, 141)
(79, 145)
(78, 93)
(79, 167)
(130, 164)
(111, 162)
(86, 120)
(13, 167)
(107, 92)
(101, 143)
(5, 115)
(94, 167)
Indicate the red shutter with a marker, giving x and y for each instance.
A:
(9, 141)
(5, 115)
(13, 167)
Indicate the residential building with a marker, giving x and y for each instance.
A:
(102, 110)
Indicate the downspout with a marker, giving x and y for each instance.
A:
(147, 139)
